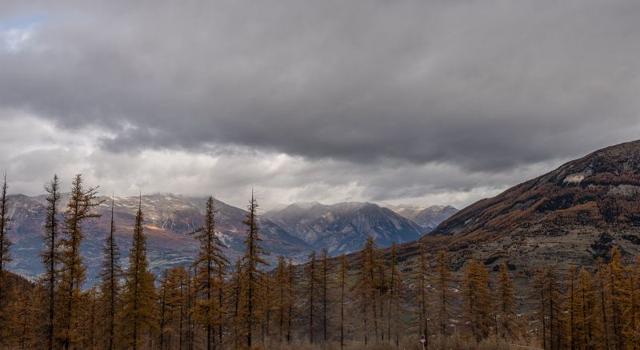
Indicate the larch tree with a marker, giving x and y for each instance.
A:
(506, 302)
(164, 290)
(585, 310)
(281, 285)
(395, 290)
(82, 202)
(442, 283)
(603, 311)
(324, 297)
(421, 285)
(547, 291)
(632, 331)
(312, 279)
(171, 307)
(139, 291)
(5, 257)
(237, 322)
(250, 273)
(618, 285)
(51, 257)
(570, 311)
(366, 287)
(110, 284)
(210, 265)
(477, 301)
(291, 298)
(344, 266)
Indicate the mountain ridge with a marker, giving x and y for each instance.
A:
(572, 215)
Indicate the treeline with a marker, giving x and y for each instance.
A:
(368, 298)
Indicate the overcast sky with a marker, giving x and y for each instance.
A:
(418, 102)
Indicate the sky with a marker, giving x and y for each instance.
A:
(400, 102)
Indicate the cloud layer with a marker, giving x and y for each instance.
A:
(416, 101)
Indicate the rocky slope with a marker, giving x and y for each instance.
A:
(571, 215)
(344, 227)
(428, 218)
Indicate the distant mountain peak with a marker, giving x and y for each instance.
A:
(344, 227)
(427, 217)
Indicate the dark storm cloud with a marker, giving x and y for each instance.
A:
(487, 86)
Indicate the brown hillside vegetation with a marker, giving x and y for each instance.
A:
(570, 216)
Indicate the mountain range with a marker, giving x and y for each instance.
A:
(572, 215)
(169, 219)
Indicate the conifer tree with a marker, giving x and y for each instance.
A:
(324, 287)
(210, 266)
(571, 310)
(5, 257)
(619, 292)
(236, 295)
(585, 307)
(139, 292)
(281, 287)
(344, 266)
(87, 325)
(442, 285)
(547, 290)
(632, 331)
(265, 307)
(80, 208)
(603, 310)
(164, 286)
(291, 300)
(506, 303)
(110, 284)
(477, 302)
(366, 287)
(51, 257)
(421, 284)
(250, 273)
(171, 306)
(25, 310)
(311, 292)
(395, 287)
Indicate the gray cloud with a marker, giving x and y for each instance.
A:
(426, 96)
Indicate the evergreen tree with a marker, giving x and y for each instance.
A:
(80, 208)
(210, 266)
(110, 284)
(51, 257)
(139, 292)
